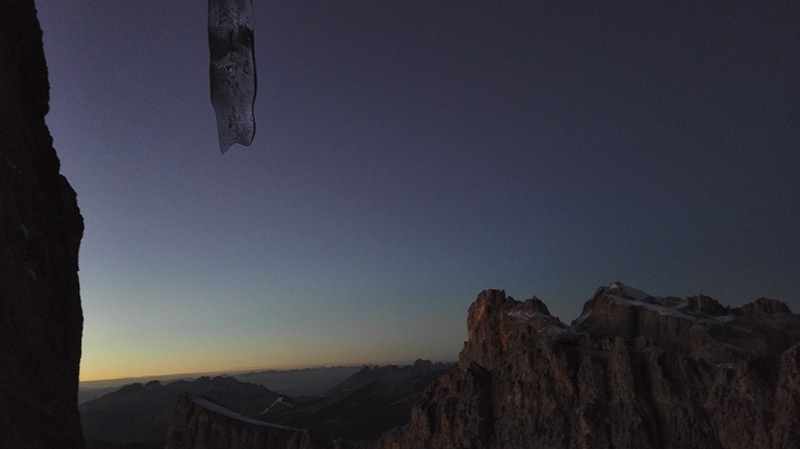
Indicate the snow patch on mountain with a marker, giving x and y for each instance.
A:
(216, 408)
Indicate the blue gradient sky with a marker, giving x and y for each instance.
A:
(408, 155)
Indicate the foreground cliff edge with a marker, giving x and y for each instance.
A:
(40, 231)
(633, 371)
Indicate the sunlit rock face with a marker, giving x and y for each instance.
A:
(40, 231)
(632, 371)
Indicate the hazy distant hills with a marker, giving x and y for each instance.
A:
(364, 405)
(291, 382)
(367, 404)
(140, 412)
(300, 382)
(391, 374)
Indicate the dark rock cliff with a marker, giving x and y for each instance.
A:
(40, 231)
(632, 371)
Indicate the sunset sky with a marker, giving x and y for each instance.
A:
(409, 154)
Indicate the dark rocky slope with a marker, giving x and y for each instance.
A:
(632, 371)
(198, 423)
(40, 231)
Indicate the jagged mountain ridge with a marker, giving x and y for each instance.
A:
(632, 371)
(390, 374)
(697, 326)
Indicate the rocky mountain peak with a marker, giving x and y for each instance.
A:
(697, 326)
(764, 306)
(708, 306)
(493, 318)
(634, 370)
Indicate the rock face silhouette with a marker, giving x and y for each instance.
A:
(631, 371)
(40, 231)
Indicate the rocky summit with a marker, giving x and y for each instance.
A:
(633, 371)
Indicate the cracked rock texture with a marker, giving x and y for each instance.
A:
(631, 371)
(40, 231)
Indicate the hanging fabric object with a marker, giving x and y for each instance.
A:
(233, 70)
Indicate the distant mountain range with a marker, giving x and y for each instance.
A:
(291, 382)
(364, 405)
(391, 374)
(139, 413)
(300, 382)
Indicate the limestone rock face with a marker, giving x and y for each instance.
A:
(697, 326)
(198, 423)
(40, 231)
(631, 371)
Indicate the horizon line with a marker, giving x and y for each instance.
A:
(239, 371)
